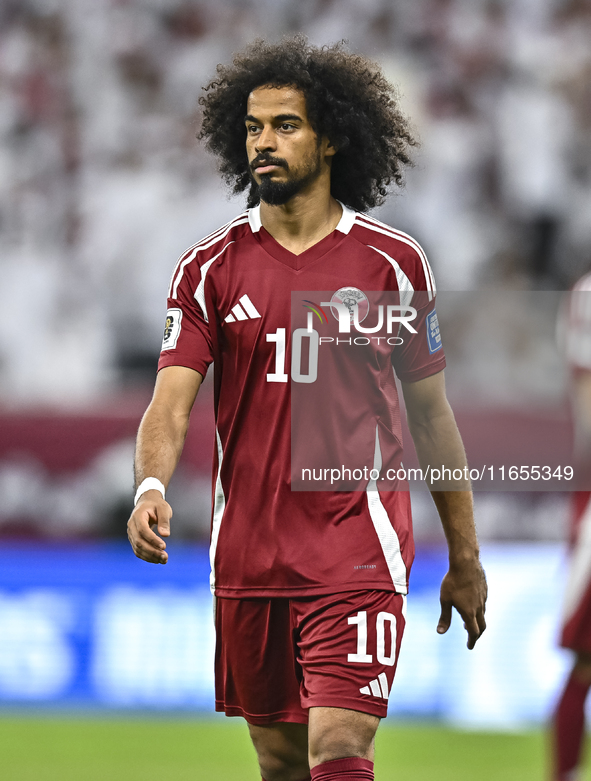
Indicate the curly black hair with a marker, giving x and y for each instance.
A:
(348, 100)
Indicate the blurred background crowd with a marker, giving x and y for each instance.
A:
(103, 185)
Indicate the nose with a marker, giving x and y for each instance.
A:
(266, 140)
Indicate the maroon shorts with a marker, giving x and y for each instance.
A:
(576, 624)
(277, 657)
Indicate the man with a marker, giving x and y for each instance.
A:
(569, 720)
(310, 586)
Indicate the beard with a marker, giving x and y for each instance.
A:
(279, 193)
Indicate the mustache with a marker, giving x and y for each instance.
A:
(267, 160)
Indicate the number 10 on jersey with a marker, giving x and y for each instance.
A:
(297, 374)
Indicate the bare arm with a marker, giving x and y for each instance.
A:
(438, 443)
(581, 402)
(160, 441)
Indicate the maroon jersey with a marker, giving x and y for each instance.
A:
(574, 335)
(574, 339)
(230, 304)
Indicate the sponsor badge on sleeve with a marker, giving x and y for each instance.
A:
(433, 335)
(172, 329)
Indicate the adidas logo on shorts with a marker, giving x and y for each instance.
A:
(247, 311)
(378, 687)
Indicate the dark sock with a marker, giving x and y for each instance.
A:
(569, 727)
(349, 769)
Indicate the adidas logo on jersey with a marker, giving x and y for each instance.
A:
(378, 687)
(247, 311)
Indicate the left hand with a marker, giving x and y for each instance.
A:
(464, 587)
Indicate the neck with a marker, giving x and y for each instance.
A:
(304, 220)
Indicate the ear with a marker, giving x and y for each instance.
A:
(329, 148)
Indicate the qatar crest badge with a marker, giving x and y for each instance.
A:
(352, 298)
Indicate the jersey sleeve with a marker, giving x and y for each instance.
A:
(187, 337)
(421, 353)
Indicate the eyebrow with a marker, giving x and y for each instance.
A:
(278, 118)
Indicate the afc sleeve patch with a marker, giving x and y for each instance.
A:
(433, 335)
(172, 328)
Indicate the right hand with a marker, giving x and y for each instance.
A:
(151, 510)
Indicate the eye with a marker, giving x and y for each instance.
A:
(287, 126)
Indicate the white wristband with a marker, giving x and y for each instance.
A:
(150, 483)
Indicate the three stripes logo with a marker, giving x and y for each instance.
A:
(244, 310)
(378, 687)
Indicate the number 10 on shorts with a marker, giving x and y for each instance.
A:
(361, 656)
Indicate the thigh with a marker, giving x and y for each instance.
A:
(255, 665)
(335, 733)
(348, 646)
(576, 628)
(282, 750)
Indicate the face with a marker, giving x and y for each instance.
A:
(284, 153)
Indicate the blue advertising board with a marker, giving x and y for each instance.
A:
(92, 626)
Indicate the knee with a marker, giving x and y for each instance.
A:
(338, 747)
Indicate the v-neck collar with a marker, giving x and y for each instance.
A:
(316, 251)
